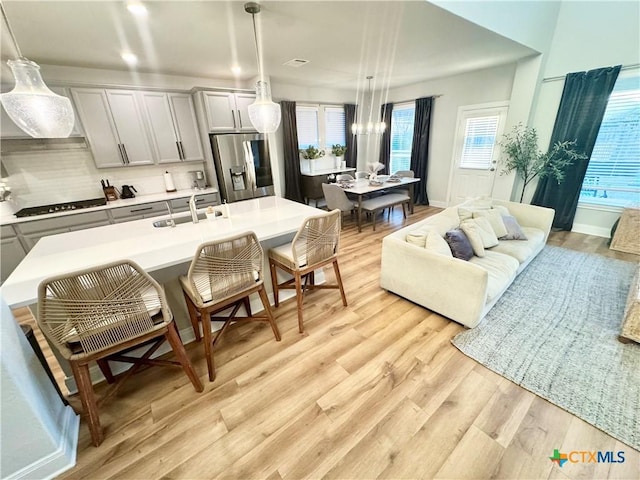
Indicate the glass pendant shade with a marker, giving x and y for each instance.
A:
(33, 107)
(360, 128)
(264, 114)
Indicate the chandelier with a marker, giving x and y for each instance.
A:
(31, 105)
(361, 128)
(264, 113)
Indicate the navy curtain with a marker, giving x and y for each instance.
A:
(420, 148)
(582, 106)
(385, 142)
(351, 155)
(292, 177)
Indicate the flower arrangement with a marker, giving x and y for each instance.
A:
(311, 153)
(338, 150)
(373, 169)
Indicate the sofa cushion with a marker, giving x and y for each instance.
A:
(442, 222)
(514, 231)
(459, 244)
(524, 249)
(471, 230)
(494, 217)
(416, 238)
(435, 243)
(501, 269)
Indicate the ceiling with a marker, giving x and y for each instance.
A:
(398, 42)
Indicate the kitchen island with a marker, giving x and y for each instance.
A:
(163, 252)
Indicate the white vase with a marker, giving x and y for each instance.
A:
(339, 161)
(312, 165)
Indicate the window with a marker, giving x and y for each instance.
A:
(479, 142)
(320, 125)
(402, 118)
(613, 174)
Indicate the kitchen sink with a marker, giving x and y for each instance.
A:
(179, 220)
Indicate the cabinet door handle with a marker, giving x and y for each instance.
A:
(184, 157)
(179, 151)
(120, 152)
(126, 157)
(233, 115)
(239, 119)
(134, 210)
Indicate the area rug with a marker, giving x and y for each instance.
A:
(554, 332)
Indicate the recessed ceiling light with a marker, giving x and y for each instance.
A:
(236, 70)
(296, 62)
(137, 9)
(130, 58)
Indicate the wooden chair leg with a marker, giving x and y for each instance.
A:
(103, 364)
(181, 355)
(274, 282)
(247, 305)
(404, 213)
(269, 313)
(193, 316)
(336, 269)
(374, 221)
(88, 399)
(299, 299)
(208, 347)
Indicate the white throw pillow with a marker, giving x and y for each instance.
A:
(471, 230)
(437, 244)
(417, 239)
(495, 220)
(489, 238)
(502, 209)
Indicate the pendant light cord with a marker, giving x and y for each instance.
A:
(255, 38)
(13, 37)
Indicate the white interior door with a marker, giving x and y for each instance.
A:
(476, 152)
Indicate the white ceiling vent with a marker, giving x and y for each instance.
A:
(296, 62)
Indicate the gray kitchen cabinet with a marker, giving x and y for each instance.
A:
(203, 200)
(173, 126)
(138, 212)
(11, 251)
(114, 126)
(227, 111)
(32, 231)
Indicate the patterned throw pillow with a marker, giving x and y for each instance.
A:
(459, 244)
(514, 232)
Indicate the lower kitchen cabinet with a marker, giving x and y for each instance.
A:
(138, 212)
(11, 252)
(204, 200)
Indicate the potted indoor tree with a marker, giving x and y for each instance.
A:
(520, 153)
(338, 151)
(311, 153)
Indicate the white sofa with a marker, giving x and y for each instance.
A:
(461, 290)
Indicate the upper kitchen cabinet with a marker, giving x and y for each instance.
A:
(228, 111)
(9, 130)
(114, 125)
(173, 126)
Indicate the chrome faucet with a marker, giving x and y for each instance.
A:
(192, 209)
(170, 222)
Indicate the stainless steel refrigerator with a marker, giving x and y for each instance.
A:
(243, 165)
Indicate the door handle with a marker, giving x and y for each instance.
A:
(126, 157)
(179, 152)
(492, 169)
(121, 154)
(233, 115)
(184, 157)
(239, 119)
(134, 210)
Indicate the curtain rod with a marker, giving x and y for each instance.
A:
(562, 77)
(414, 99)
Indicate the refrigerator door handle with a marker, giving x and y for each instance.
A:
(248, 157)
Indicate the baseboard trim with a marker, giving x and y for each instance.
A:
(62, 459)
(435, 203)
(591, 230)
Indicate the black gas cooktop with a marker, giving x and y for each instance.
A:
(60, 207)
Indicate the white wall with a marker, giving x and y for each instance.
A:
(588, 35)
(483, 86)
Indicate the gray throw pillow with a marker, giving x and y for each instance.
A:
(514, 232)
(459, 244)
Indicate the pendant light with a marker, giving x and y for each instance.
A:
(264, 113)
(359, 128)
(31, 105)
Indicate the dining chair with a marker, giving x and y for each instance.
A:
(315, 245)
(336, 198)
(100, 314)
(344, 177)
(223, 274)
(404, 191)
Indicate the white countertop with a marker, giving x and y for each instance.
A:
(9, 218)
(326, 171)
(152, 248)
(361, 186)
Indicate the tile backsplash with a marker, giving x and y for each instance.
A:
(55, 176)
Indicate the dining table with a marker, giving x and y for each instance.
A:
(362, 187)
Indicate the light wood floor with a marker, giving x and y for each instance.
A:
(372, 390)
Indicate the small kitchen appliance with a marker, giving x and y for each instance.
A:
(127, 191)
(198, 181)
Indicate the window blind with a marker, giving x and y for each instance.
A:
(307, 122)
(613, 173)
(479, 142)
(334, 126)
(402, 120)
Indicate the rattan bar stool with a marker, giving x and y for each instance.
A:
(101, 313)
(223, 274)
(316, 244)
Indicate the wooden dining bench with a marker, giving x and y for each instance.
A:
(388, 200)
